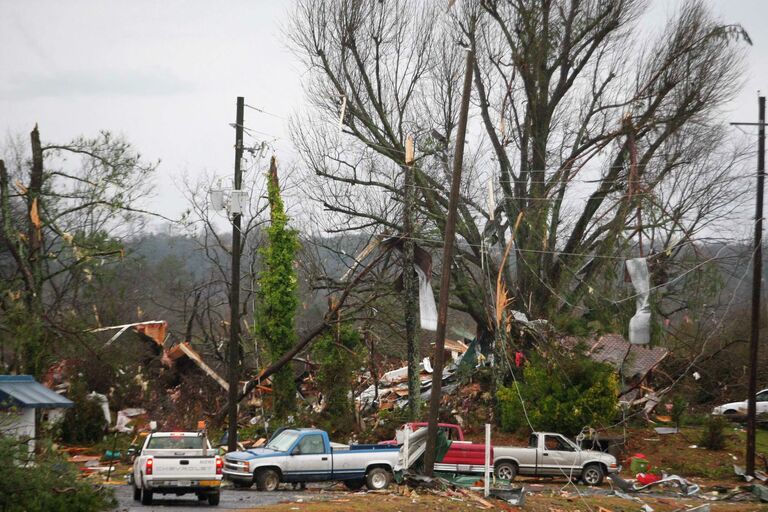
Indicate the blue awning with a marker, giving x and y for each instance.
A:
(25, 391)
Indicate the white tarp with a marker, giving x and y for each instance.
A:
(640, 324)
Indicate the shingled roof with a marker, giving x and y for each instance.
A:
(612, 349)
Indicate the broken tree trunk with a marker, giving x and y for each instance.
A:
(410, 305)
(35, 236)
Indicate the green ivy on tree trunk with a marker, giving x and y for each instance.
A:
(278, 283)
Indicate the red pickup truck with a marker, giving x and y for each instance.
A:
(462, 456)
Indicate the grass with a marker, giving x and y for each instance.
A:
(673, 453)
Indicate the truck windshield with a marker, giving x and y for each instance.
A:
(283, 441)
(176, 443)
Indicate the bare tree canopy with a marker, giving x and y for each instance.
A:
(604, 137)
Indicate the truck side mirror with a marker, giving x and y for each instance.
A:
(296, 451)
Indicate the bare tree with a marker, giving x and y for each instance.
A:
(603, 142)
(66, 210)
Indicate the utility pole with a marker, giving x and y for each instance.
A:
(757, 275)
(445, 278)
(409, 285)
(234, 291)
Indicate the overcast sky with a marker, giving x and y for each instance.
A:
(166, 75)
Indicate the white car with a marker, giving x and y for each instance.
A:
(740, 408)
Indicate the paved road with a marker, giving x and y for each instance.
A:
(231, 499)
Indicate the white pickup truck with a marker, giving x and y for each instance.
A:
(177, 463)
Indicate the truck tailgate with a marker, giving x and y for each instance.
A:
(184, 467)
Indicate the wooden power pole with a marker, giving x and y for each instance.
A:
(754, 339)
(757, 276)
(234, 292)
(445, 278)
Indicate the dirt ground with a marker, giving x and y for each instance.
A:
(423, 500)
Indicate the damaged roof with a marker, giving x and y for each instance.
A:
(631, 360)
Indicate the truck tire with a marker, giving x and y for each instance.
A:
(136, 492)
(592, 474)
(506, 471)
(146, 497)
(213, 499)
(377, 479)
(267, 480)
(354, 485)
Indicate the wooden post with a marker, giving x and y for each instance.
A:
(757, 277)
(234, 295)
(445, 280)
(487, 488)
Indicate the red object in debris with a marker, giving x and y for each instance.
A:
(519, 357)
(647, 478)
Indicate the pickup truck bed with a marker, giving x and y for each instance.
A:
(306, 455)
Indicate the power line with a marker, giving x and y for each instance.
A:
(262, 111)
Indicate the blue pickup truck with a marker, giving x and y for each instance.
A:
(299, 455)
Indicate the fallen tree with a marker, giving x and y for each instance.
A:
(330, 319)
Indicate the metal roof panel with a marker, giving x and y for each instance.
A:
(24, 390)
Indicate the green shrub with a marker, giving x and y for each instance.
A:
(713, 436)
(51, 484)
(562, 395)
(337, 359)
(510, 414)
(678, 411)
(83, 423)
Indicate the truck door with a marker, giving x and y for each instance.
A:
(762, 402)
(309, 460)
(558, 457)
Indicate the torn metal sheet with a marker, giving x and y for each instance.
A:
(103, 403)
(514, 497)
(124, 416)
(427, 306)
(155, 329)
(760, 491)
(686, 488)
(640, 323)
(760, 475)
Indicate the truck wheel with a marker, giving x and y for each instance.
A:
(267, 480)
(136, 493)
(354, 485)
(146, 497)
(506, 471)
(592, 474)
(213, 499)
(377, 479)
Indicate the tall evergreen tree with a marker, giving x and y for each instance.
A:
(277, 293)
